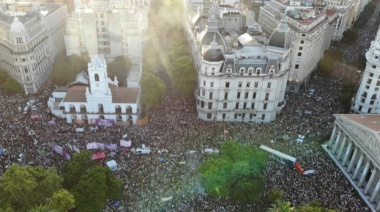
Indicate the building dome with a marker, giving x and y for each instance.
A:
(213, 53)
(281, 37)
(17, 27)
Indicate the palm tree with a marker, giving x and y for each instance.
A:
(42, 208)
(281, 206)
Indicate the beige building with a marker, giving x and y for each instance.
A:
(31, 36)
(312, 30)
(110, 28)
(355, 148)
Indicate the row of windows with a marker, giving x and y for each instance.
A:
(238, 116)
(238, 105)
(240, 84)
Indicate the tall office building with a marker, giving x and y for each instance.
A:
(111, 28)
(31, 36)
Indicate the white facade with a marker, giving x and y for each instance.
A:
(31, 36)
(344, 10)
(368, 95)
(312, 33)
(100, 99)
(238, 84)
(110, 28)
(354, 146)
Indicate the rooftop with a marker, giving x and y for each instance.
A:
(369, 121)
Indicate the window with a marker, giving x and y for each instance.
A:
(378, 83)
(258, 71)
(204, 83)
(203, 93)
(240, 84)
(296, 66)
(373, 66)
(248, 84)
(211, 94)
(19, 40)
(253, 105)
(303, 35)
(96, 77)
(245, 105)
(227, 84)
(269, 84)
(256, 84)
(369, 81)
(212, 84)
(370, 74)
(367, 87)
(302, 41)
(301, 48)
(235, 116)
(254, 95)
(250, 116)
(237, 106)
(210, 105)
(238, 95)
(265, 106)
(209, 115)
(202, 104)
(246, 95)
(226, 95)
(299, 54)
(263, 117)
(266, 96)
(225, 105)
(243, 115)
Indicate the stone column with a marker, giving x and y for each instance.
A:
(365, 171)
(342, 147)
(348, 151)
(352, 160)
(373, 196)
(358, 166)
(378, 207)
(337, 141)
(332, 136)
(370, 181)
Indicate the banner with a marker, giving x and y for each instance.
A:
(105, 122)
(76, 121)
(143, 121)
(76, 149)
(111, 146)
(66, 155)
(70, 147)
(92, 146)
(125, 135)
(125, 143)
(101, 146)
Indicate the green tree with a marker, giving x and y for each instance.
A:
(3, 76)
(62, 201)
(94, 188)
(273, 196)
(182, 74)
(350, 35)
(12, 86)
(42, 208)
(281, 206)
(120, 68)
(77, 167)
(237, 172)
(66, 68)
(314, 206)
(153, 89)
(22, 187)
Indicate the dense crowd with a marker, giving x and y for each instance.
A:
(169, 181)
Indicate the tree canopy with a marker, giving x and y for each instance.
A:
(90, 184)
(237, 172)
(66, 68)
(24, 187)
(119, 67)
(153, 89)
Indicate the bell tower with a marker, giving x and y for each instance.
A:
(97, 72)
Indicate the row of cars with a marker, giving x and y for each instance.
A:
(30, 105)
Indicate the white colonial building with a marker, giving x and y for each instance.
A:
(98, 98)
(240, 78)
(368, 95)
(31, 36)
(355, 148)
(312, 30)
(110, 28)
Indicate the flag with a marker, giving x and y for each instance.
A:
(70, 147)
(76, 149)
(125, 135)
(125, 143)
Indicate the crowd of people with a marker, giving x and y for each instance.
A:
(169, 180)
